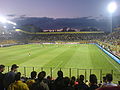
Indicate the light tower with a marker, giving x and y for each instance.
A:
(112, 6)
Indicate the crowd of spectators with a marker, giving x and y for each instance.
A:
(52, 37)
(14, 81)
(112, 38)
(68, 37)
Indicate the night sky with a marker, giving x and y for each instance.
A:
(56, 8)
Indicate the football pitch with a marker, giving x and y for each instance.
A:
(73, 59)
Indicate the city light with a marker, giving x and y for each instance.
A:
(112, 7)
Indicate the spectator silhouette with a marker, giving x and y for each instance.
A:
(2, 68)
(67, 84)
(10, 76)
(59, 82)
(39, 84)
(81, 85)
(93, 82)
(109, 79)
(32, 80)
(73, 81)
(18, 84)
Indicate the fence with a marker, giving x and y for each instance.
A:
(52, 71)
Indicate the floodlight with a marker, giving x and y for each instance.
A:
(112, 7)
(3, 32)
(3, 20)
(5, 26)
(14, 27)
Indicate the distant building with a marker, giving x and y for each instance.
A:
(62, 30)
(53, 30)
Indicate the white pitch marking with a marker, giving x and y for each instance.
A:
(108, 60)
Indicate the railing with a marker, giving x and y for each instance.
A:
(52, 71)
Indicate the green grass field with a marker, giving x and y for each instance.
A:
(78, 57)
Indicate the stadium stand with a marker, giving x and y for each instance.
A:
(113, 38)
(68, 37)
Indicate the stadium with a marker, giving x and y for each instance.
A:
(87, 51)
